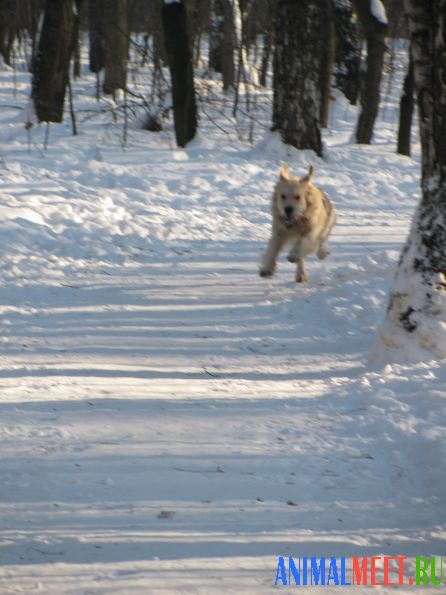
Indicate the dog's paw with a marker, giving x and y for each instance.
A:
(322, 253)
(301, 278)
(264, 272)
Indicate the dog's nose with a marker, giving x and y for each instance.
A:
(288, 212)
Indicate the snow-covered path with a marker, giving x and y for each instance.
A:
(171, 422)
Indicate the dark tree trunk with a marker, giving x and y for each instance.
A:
(216, 36)
(181, 72)
(52, 61)
(374, 31)
(348, 50)
(417, 308)
(228, 70)
(3, 29)
(97, 35)
(266, 55)
(407, 104)
(221, 40)
(296, 81)
(8, 11)
(327, 61)
(34, 13)
(156, 31)
(116, 45)
(76, 42)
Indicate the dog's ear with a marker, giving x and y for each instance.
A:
(285, 172)
(309, 175)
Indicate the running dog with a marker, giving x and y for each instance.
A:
(303, 217)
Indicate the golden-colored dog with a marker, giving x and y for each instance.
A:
(303, 217)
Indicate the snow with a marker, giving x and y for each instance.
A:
(171, 422)
(378, 11)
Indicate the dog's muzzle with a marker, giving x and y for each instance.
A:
(288, 215)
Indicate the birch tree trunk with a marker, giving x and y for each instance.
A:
(416, 315)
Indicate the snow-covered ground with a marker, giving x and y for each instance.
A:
(171, 422)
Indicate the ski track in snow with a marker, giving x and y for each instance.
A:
(171, 423)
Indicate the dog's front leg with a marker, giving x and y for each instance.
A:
(268, 262)
(301, 273)
(301, 248)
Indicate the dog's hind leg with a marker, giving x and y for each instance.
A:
(322, 251)
(268, 262)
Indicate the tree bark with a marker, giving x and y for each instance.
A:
(9, 27)
(155, 29)
(76, 42)
(266, 54)
(116, 45)
(348, 50)
(97, 35)
(228, 70)
(52, 61)
(216, 36)
(327, 61)
(221, 41)
(417, 309)
(407, 104)
(181, 71)
(4, 30)
(296, 79)
(374, 31)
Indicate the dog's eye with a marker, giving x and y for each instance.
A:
(297, 197)
(283, 196)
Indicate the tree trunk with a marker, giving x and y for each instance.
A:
(34, 12)
(116, 45)
(417, 311)
(97, 35)
(266, 54)
(156, 31)
(52, 61)
(348, 50)
(296, 80)
(3, 30)
(327, 61)
(228, 45)
(374, 31)
(8, 28)
(221, 40)
(216, 36)
(181, 72)
(406, 110)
